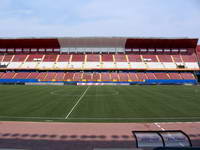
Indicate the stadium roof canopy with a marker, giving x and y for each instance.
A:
(95, 42)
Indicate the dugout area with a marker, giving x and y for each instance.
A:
(167, 138)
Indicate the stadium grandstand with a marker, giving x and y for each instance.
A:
(99, 60)
(144, 116)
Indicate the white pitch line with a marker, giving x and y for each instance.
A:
(157, 124)
(80, 98)
(15, 117)
(84, 118)
(178, 122)
(135, 118)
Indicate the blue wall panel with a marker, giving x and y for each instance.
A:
(17, 80)
(145, 82)
(166, 81)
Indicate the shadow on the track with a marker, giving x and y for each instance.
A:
(64, 142)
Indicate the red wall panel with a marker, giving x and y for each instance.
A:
(161, 43)
(29, 43)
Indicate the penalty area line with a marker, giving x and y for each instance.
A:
(80, 98)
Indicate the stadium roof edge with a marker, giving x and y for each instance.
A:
(94, 37)
(104, 42)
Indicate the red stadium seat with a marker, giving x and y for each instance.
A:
(114, 76)
(165, 58)
(134, 58)
(1, 74)
(60, 76)
(8, 75)
(151, 58)
(133, 76)
(78, 76)
(34, 57)
(42, 76)
(96, 77)
(50, 76)
(1, 58)
(19, 58)
(93, 57)
(78, 57)
(87, 76)
(107, 58)
(189, 58)
(198, 52)
(161, 75)
(33, 75)
(21, 75)
(175, 76)
(123, 76)
(177, 58)
(50, 58)
(105, 77)
(7, 58)
(150, 76)
(141, 76)
(120, 58)
(69, 76)
(64, 58)
(186, 76)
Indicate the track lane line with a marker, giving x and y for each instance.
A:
(80, 98)
(157, 124)
(163, 129)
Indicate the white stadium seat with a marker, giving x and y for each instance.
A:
(14, 65)
(192, 65)
(156, 65)
(29, 65)
(45, 65)
(123, 65)
(108, 65)
(4, 63)
(75, 65)
(61, 65)
(91, 65)
(169, 65)
(138, 65)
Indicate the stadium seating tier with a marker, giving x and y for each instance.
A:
(104, 76)
(99, 59)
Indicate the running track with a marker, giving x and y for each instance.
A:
(82, 136)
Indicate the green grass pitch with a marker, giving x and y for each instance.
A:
(99, 103)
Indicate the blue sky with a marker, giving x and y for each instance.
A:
(137, 18)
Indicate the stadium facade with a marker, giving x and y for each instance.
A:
(99, 60)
